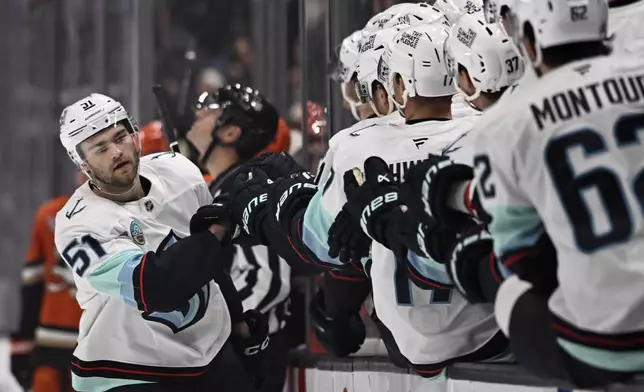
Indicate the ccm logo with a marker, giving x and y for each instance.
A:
(253, 350)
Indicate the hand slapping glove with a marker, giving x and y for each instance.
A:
(248, 198)
(274, 165)
(373, 199)
(432, 182)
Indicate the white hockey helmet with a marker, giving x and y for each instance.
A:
(367, 66)
(377, 22)
(416, 54)
(491, 60)
(89, 116)
(492, 9)
(453, 9)
(415, 14)
(345, 68)
(559, 22)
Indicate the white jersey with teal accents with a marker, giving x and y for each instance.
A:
(104, 241)
(429, 326)
(566, 159)
(625, 28)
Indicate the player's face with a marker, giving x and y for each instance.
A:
(465, 83)
(399, 89)
(381, 99)
(200, 134)
(112, 158)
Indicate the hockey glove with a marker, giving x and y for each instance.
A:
(248, 199)
(373, 199)
(22, 369)
(288, 196)
(435, 187)
(213, 214)
(275, 165)
(474, 248)
(341, 335)
(346, 240)
(252, 350)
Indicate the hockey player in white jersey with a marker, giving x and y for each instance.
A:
(409, 313)
(485, 64)
(624, 27)
(407, 309)
(157, 308)
(569, 168)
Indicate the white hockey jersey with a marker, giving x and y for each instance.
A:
(428, 326)
(104, 241)
(625, 25)
(566, 157)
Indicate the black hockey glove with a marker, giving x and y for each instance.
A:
(434, 184)
(23, 369)
(290, 195)
(213, 214)
(340, 335)
(474, 249)
(252, 350)
(346, 240)
(275, 165)
(373, 200)
(248, 199)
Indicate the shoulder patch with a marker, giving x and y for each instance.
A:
(136, 233)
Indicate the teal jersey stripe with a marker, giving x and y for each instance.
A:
(604, 359)
(315, 230)
(114, 276)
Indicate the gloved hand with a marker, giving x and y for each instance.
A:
(340, 335)
(275, 165)
(210, 215)
(8, 382)
(22, 369)
(346, 240)
(252, 349)
(433, 181)
(289, 195)
(248, 199)
(374, 200)
(473, 246)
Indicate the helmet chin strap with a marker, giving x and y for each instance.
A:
(93, 184)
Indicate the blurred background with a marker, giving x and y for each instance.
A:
(57, 51)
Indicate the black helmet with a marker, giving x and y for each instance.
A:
(249, 110)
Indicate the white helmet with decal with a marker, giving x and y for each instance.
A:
(89, 116)
(416, 54)
(487, 54)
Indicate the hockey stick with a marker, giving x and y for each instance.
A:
(168, 128)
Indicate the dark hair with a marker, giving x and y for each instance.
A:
(559, 55)
(444, 100)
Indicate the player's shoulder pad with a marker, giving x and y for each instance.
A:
(86, 213)
(173, 167)
(352, 135)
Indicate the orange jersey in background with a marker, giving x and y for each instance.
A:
(59, 313)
